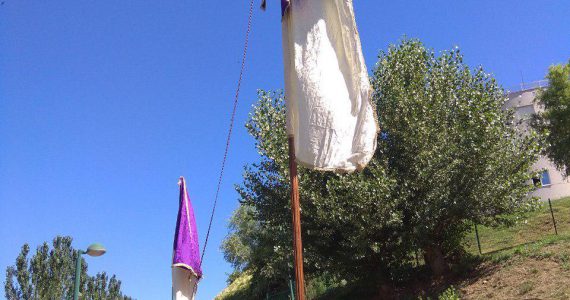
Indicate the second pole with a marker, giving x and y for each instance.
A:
(296, 211)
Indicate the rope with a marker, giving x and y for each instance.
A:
(231, 126)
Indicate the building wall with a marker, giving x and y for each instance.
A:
(524, 106)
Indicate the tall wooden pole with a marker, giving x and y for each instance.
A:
(296, 210)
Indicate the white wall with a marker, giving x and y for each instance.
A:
(523, 104)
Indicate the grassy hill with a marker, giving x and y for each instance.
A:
(526, 261)
(536, 226)
(236, 288)
(538, 270)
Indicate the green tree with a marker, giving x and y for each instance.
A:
(448, 157)
(236, 247)
(554, 121)
(49, 274)
(260, 238)
(456, 156)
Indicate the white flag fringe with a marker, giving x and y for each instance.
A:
(328, 91)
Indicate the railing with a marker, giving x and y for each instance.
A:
(523, 86)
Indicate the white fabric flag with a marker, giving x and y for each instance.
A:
(327, 88)
(183, 284)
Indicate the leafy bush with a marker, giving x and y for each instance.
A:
(450, 294)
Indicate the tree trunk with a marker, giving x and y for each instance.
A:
(385, 292)
(435, 260)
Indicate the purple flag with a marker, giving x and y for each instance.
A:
(186, 247)
(284, 5)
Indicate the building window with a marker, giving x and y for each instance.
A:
(545, 178)
(525, 112)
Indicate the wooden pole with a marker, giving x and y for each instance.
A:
(296, 210)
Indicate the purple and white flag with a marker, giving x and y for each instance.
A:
(186, 269)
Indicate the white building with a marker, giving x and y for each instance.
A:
(554, 185)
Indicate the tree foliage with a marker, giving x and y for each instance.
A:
(554, 121)
(448, 156)
(50, 274)
(455, 154)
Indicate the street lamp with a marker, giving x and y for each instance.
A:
(92, 250)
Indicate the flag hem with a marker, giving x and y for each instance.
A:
(187, 267)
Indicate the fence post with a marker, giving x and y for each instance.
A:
(477, 236)
(291, 289)
(552, 214)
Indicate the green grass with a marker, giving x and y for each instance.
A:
(538, 250)
(237, 288)
(536, 226)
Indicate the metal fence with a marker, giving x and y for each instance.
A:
(288, 294)
(553, 218)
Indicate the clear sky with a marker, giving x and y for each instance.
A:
(104, 104)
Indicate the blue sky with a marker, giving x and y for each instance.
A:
(103, 104)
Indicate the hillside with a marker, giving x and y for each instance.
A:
(539, 270)
(526, 261)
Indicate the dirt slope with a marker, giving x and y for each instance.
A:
(530, 272)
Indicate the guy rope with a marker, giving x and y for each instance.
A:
(232, 119)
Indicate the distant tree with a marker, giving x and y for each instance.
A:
(554, 121)
(50, 274)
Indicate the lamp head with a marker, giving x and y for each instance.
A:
(95, 250)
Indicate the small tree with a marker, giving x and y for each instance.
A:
(554, 121)
(49, 274)
(454, 153)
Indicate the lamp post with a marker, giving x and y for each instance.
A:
(92, 250)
